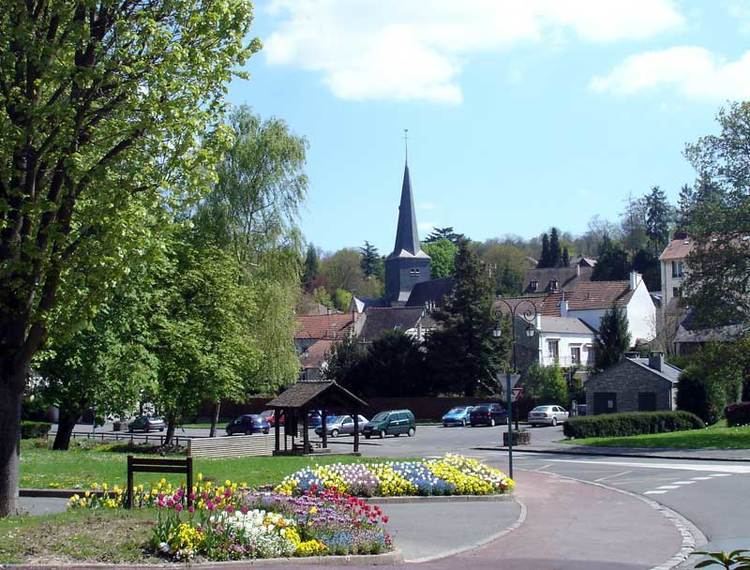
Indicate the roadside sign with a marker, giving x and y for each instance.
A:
(516, 393)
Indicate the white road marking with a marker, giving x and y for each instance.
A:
(718, 470)
(702, 478)
(654, 492)
(615, 476)
(542, 467)
(684, 482)
(668, 487)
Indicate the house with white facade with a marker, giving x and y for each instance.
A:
(565, 341)
(673, 268)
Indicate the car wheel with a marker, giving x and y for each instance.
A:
(554, 422)
(367, 436)
(382, 434)
(411, 432)
(248, 432)
(334, 433)
(265, 431)
(492, 422)
(463, 423)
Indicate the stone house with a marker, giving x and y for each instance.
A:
(634, 385)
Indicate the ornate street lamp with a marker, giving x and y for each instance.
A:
(526, 311)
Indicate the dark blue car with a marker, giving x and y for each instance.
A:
(248, 424)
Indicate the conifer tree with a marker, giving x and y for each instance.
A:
(555, 252)
(565, 257)
(613, 338)
(545, 257)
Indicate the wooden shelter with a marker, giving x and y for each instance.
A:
(297, 400)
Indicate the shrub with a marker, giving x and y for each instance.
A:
(738, 414)
(694, 396)
(634, 423)
(32, 430)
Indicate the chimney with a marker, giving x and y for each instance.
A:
(564, 308)
(635, 280)
(656, 361)
(578, 269)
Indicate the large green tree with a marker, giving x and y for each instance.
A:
(658, 219)
(442, 254)
(508, 264)
(717, 285)
(613, 338)
(101, 104)
(371, 262)
(463, 353)
(612, 263)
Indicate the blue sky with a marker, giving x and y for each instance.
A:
(521, 114)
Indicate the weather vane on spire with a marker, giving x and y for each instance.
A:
(406, 144)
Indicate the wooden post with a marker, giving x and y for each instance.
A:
(305, 436)
(189, 479)
(356, 431)
(324, 427)
(129, 496)
(276, 429)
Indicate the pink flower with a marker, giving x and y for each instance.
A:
(191, 497)
(178, 507)
(384, 518)
(170, 502)
(244, 510)
(210, 505)
(229, 509)
(191, 509)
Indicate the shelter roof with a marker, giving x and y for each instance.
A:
(315, 394)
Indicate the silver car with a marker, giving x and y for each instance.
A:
(341, 425)
(547, 415)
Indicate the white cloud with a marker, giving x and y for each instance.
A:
(409, 49)
(694, 72)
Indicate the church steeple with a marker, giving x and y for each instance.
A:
(407, 265)
(407, 238)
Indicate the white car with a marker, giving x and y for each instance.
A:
(547, 415)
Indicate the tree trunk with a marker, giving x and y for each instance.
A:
(65, 426)
(215, 419)
(10, 435)
(171, 426)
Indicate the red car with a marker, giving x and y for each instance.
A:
(270, 416)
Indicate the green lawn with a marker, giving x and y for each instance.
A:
(715, 437)
(43, 468)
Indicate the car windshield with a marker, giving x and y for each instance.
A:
(380, 416)
(542, 409)
(481, 409)
(456, 410)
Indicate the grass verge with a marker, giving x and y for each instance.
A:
(115, 537)
(715, 437)
(43, 468)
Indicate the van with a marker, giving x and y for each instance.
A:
(391, 422)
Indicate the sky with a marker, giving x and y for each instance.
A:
(521, 114)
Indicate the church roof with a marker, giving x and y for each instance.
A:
(431, 292)
(407, 238)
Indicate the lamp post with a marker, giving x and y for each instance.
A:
(525, 310)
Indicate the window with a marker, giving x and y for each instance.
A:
(677, 269)
(414, 272)
(575, 354)
(553, 348)
(534, 285)
(676, 292)
(553, 285)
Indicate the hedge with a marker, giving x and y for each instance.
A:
(31, 430)
(633, 423)
(738, 414)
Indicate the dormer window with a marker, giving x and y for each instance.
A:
(553, 285)
(534, 285)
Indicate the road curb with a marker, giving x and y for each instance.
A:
(606, 452)
(480, 543)
(385, 559)
(692, 536)
(440, 499)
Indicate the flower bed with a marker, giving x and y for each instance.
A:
(449, 475)
(227, 522)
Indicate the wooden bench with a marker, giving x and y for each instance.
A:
(149, 465)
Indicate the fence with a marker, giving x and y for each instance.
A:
(131, 437)
(234, 446)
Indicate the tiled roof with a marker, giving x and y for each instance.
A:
(565, 325)
(566, 277)
(598, 295)
(677, 249)
(432, 291)
(380, 320)
(306, 393)
(332, 327)
(316, 354)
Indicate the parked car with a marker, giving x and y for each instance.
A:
(271, 418)
(315, 419)
(248, 424)
(147, 423)
(339, 425)
(458, 416)
(547, 415)
(488, 415)
(391, 422)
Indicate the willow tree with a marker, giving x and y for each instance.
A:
(252, 213)
(102, 102)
